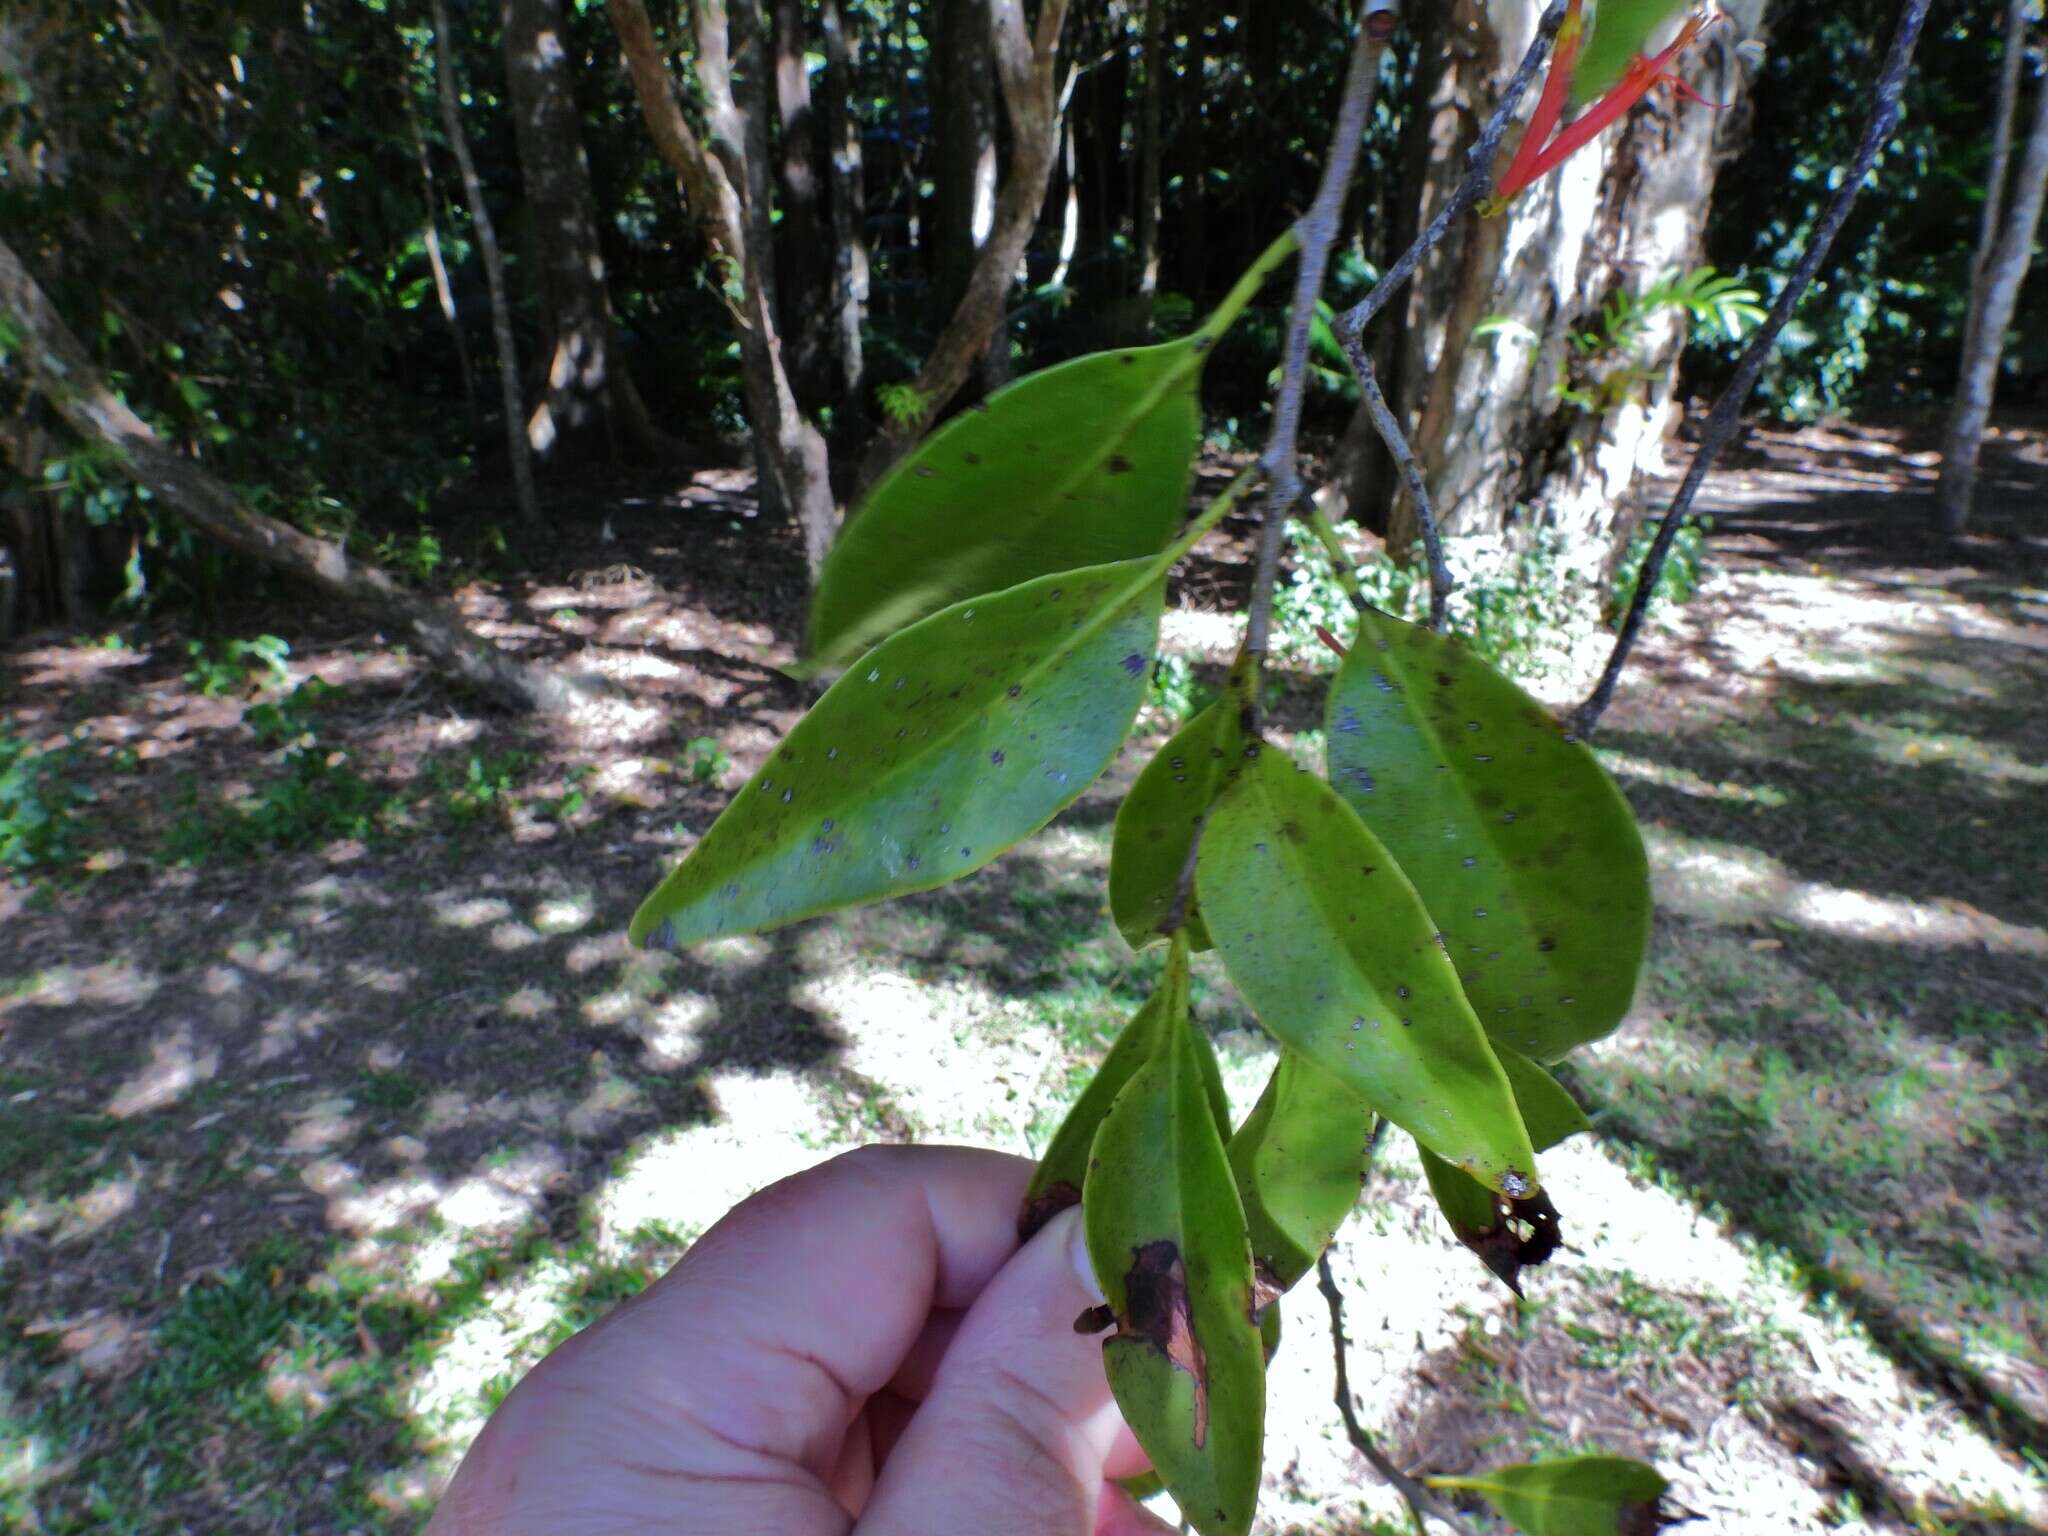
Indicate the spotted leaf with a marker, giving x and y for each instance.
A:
(1061, 1172)
(1522, 848)
(1331, 946)
(1298, 1159)
(1167, 1240)
(1157, 822)
(1573, 1496)
(1087, 462)
(1509, 1235)
(946, 745)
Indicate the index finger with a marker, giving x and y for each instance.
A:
(804, 1299)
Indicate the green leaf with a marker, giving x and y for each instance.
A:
(1577, 1496)
(1522, 848)
(1082, 464)
(1156, 824)
(1621, 29)
(1299, 1159)
(1509, 1235)
(1331, 946)
(1063, 1170)
(1168, 1244)
(946, 745)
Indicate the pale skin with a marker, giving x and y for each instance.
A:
(860, 1350)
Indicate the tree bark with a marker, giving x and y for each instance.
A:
(803, 280)
(848, 204)
(1026, 61)
(963, 144)
(1147, 233)
(516, 444)
(1992, 300)
(60, 370)
(715, 174)
(1493, 432)
(589, 405)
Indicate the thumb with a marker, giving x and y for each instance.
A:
(1013, 1436)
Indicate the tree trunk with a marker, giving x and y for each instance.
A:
(60, 370)
(964, 144)
(1363, 478)
(1147, 234)
(1992, 300)
(1492, 430)
(516, 444)
(1026, 62)
(444, 290)
(590, 406)
(803, 280)
(849, 220)
(716, 177)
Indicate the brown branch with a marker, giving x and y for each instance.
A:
(1026, 67)
(59, 368)
(1314, 233)
(1420, 1499)
(1350, 326)
(1727, 412)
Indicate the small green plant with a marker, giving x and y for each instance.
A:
(41, 805)
(903, 405)
(477, 784)
(223, 667)
(318, 797)
(705, 761)
(572, 799)
(1684, 568)
(419, 556)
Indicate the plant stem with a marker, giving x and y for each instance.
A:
(1246, 287)
(1340, 559)
(1419, 1499)
(1350, 326)
(1314, 233)
(1727, 412)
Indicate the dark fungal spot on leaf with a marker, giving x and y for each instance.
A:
(996, 757)
(1266, 1287)
(1523, 1232)
(1546, 945)
(1045, 1205)
(1134, 664)
(1156, 1293)
(1128, 358)
(1118, 465)
(970, 458)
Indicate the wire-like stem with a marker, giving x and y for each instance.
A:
(1246, 288)
(1350, 325)
(1417, 1496)
(1727, 411)
(1314, 233)
(1340, 558)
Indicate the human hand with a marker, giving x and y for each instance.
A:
(862, 1348)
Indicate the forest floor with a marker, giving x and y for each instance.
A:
(305, 1153)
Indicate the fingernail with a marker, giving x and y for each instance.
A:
(1077, 1249)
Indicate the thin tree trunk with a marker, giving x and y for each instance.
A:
(1026, 64)
(444, 291)
(589, 402)
(2003, 118)
(516, 444)
(964, 142)
(1992, 301)
(1148, 149)
(803, 283)
(849, 218)
(714, 173)
(61, 371)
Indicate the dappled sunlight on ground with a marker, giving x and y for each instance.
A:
(325, 1147)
